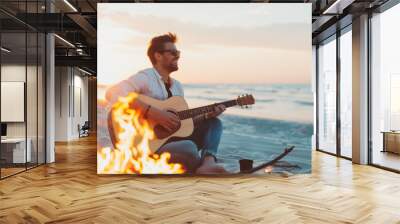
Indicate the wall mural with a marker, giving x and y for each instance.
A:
(204, 88)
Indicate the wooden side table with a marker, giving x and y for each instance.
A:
(391, 141)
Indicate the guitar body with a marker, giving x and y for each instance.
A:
(177, 105)
(173, 104)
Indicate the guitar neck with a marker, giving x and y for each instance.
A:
(190, 113)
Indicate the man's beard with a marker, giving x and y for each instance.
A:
(171, 67)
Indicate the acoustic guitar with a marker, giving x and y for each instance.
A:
(178, 106)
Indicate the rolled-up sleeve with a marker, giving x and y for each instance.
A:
(135, 83)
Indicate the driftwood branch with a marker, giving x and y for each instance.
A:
(271, 162)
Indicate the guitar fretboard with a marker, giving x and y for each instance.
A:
(190, 113)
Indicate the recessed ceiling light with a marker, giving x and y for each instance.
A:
(5, 50)
(64, 40)
(84, 71)
(338, 6)
(70, 5)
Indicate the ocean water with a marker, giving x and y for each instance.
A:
(290, 102)
(281, 116)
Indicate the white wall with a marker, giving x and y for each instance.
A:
(33, 126)
(61, 103)
(12, 73)
(71, 94)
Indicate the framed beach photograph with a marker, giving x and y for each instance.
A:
(204, 88)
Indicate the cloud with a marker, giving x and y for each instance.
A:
(289, 36)
(231, 46)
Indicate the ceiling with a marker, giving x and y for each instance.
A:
(76, 22)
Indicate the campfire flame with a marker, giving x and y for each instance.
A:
(268, 169)
(132, 154)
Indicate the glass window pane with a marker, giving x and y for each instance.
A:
(327, 96)
(23, 86)
(32, 87)
(386, 89)
(41, 98)
(14, 153)
(31, 97)
(346, 94)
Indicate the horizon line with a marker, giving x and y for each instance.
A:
(226, 83)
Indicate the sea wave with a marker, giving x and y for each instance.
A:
(263, 139)
(304, 103)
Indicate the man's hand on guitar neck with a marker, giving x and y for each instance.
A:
(219, 109)
(168, 120)
(202, 117)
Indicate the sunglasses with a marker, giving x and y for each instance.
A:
(174, 53)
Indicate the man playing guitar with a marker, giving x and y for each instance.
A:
(156, 83)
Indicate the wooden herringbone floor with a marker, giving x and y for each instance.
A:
(70, 191)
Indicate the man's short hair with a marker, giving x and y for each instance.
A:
(157, 45)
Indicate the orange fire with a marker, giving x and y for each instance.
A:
(132, 154)
(268, 169)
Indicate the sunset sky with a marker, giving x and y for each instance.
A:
(219, 43)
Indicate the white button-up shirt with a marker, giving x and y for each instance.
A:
(147, 82)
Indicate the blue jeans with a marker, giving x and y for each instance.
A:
(206, 137)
